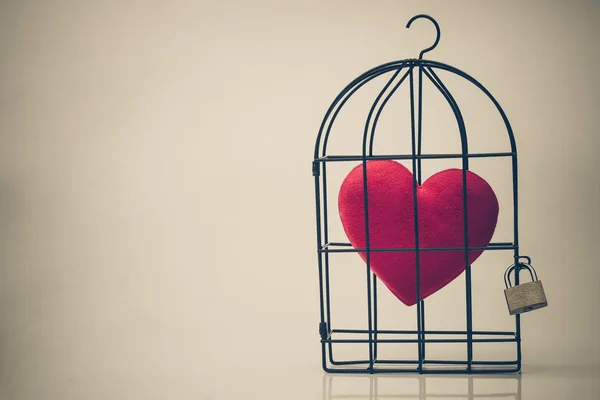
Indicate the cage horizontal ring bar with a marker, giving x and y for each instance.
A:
(429, 396)
(450, 362)
(337, 244)
(467, 371)
(445, 362)
(353, 362)
(507, 340)
(410, 156)
(344, 244)
(408, 250)
(414, 332)
(424, 371)
(367, 370)
(396, 361)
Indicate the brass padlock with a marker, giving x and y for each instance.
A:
(526, 296)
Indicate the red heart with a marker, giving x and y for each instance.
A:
(441, 224)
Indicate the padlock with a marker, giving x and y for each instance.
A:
(527, 296)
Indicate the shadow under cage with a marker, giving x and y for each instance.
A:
(407, 72)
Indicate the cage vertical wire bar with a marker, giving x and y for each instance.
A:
(322, 324)
(432, 76)
(374, 334)
(375, 311)
(366, 211)
(516, 255)
(465, 167)
(420, 181)
(326, 237)
(469, 304)
(416, 225)
(371, 144)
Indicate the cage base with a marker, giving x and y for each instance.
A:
(423, 365)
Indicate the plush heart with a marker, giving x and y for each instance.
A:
(441, 224)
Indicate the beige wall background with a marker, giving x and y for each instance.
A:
(156, 203)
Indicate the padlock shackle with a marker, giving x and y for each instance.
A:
(512, 268)
(527, 258)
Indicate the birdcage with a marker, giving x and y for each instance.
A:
(411, 72)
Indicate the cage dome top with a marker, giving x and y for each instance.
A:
(402, 71)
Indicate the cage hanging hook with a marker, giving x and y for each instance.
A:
(437, 29)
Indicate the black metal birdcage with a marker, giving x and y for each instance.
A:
(407, 71)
